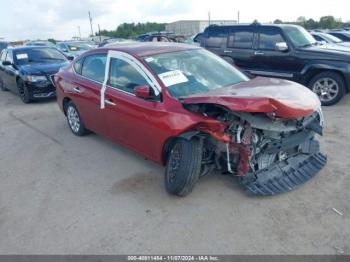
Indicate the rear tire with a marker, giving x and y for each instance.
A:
(2, 85)
(183, 167)
(329, 87)
(23, 92)
(74, 120)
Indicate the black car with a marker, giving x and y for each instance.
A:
(329, 39)
(342, 35)
(283, 51)
(28, 71)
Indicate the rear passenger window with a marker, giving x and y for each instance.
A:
(217, 37)
(268, 38)
(241, 39)
(94, 67)
(124, 76)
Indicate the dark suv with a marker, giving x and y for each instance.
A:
(283, 51)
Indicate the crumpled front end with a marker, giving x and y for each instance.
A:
(277, 156)
(269, 155)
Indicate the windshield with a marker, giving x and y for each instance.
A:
(331, 38)
(78, 46)
(191, 72)
(299, 36)
(38, 55)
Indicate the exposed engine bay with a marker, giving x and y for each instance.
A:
(269, 155)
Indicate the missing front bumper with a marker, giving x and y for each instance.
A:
(286, 175)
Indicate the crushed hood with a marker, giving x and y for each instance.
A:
(267, 95)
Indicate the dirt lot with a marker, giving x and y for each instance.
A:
(63, 194)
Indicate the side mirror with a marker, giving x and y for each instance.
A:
(143, 91)
(70, 57)
(6, 63)
(281, 46)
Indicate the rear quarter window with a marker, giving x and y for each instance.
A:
(216, 37)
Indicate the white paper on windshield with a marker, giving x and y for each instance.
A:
(22, 56)
(149, 59)
(172, 78)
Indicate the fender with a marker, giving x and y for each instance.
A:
(339, 66)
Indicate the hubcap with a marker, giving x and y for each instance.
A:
(326, 89)
(174, 163)
(73, 119)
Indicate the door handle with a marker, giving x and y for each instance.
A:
(77, 90)
(227, 51)
(110, 102)
(258, 53)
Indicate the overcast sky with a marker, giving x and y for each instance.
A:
(59, 19)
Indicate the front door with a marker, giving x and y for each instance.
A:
(132, 121)
(270, 61)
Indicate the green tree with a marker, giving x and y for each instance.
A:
(278, 21)
(52, 40)
(130, 30)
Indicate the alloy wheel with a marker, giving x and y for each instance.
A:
(326, 89)
(73, 119)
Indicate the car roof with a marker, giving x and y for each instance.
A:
(23, 48)
(141, 49)
(257, 25)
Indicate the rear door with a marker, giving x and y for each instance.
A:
(85, 89)
(216, 38)
(240, 44)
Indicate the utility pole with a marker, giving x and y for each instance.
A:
(99, 32)
(90, 19)
(79, 32)
(209, 17)
(238, 17)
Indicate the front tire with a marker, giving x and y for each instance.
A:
(23, 92)
(329, 87)
(74, 120)
(183, 167)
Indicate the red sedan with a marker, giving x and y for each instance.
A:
(190, 110)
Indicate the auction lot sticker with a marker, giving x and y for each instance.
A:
(172, 78)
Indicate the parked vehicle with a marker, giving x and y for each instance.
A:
(74, 48)
(112, 41)
(28, 71)
(342, 35)
(329, 39)
(3, 45)
(283, 51)
(186, 108)
(40, 43)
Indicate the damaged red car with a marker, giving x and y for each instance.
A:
(193, 112)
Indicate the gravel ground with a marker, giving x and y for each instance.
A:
(62, 194)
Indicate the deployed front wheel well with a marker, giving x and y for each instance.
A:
(316, 71)
(170, 142)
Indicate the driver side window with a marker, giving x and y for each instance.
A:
(124, 76)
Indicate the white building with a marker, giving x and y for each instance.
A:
(192, 27)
